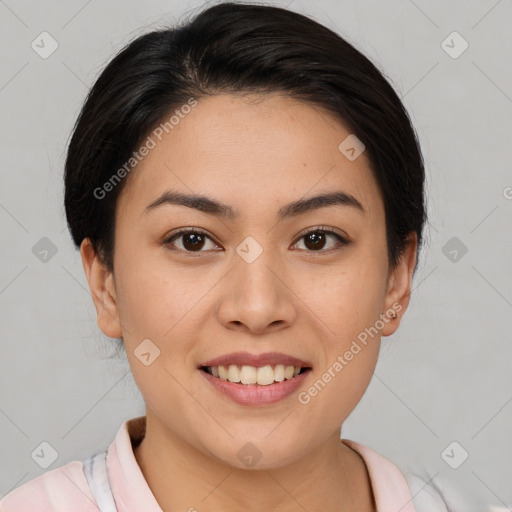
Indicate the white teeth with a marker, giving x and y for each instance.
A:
(288, 372)
(223, 373)
(279, 373)
(264, 375)
(248, 375)
(233, 373)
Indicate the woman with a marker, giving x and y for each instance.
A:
(247, 193)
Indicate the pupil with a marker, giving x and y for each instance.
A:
(193, 241)
(317, 238)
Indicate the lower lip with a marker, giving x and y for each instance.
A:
(255, 394)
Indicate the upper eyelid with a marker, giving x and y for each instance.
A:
(327, 229)
(185, 231)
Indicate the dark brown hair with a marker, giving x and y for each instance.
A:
(239, 48)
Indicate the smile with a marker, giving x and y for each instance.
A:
(250, 375)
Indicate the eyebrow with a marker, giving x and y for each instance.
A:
(214, 207)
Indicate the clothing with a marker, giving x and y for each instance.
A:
(117, 482)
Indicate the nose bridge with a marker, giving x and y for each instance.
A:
(253, 268)
(256, 296)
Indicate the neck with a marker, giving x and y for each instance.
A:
(181, 477)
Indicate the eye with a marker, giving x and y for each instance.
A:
(194, 240)
(190, 240)
(315, 239)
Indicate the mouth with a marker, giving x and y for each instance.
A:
(256, 379)
(255, 375)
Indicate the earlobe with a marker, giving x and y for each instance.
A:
(399, 286)
(102, 287)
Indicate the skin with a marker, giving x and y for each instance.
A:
(255, 154)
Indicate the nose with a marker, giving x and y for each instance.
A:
(258, 296)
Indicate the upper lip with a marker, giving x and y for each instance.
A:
(257, 360)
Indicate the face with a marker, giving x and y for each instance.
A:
(307, 282)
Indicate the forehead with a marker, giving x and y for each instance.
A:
(251, 151)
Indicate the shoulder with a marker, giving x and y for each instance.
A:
(392, 488)
(59, 490)
(424, 495)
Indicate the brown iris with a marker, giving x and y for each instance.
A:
(314, 240)
(193, 241)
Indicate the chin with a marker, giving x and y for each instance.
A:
(252, 453)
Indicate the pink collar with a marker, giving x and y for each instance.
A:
(131, 491)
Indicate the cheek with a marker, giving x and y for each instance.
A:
(150, 298)
(164, 303)
(348, 302)
(157, 314)
(349, 307)
(347, 297)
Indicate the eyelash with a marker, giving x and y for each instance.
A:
(342, 241)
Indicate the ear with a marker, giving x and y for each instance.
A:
(102, 286)
(399, 285)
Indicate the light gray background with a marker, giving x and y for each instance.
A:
(443, 377)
